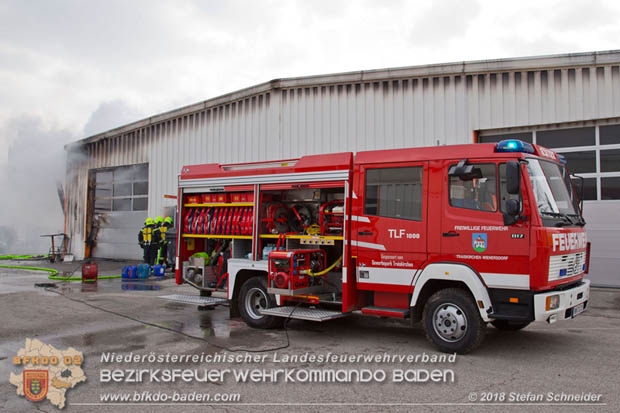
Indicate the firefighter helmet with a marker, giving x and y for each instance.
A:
(149, 221)
(168, 220)
(159, 220)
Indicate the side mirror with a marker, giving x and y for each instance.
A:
(511, 216)
(464, 171)
(512, 207)
(513, 178)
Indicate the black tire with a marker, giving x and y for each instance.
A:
(506, 325)
(452, 321)
(252, 297)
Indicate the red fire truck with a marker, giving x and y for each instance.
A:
(454, 236)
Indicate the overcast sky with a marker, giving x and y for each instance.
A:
(88, 66)
(70, 69)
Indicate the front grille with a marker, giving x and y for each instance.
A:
(565, 266)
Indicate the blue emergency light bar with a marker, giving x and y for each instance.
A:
(562, 159)
(513, 145)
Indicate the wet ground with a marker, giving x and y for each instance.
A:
(580, 356)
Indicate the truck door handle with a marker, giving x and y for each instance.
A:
(451, 234)
(365, 233)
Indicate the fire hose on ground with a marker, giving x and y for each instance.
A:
(22, 257)
(53, 274)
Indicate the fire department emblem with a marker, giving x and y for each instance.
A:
(47, 372)
(479, 242)
(35, 384)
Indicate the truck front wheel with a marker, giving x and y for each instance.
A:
(452, 321)
(253, 298)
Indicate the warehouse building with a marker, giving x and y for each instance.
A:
(570, 103)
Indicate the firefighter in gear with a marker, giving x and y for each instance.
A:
(148, 242)
(163, 249)
(157, 235)
(157, 238)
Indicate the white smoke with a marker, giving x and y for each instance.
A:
(110, 115)
(35, 161)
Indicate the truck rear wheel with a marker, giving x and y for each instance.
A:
(506, 325)
(452, 321)
(253, 298)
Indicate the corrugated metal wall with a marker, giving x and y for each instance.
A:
(359, 115)
(445, 110)
(237, 132)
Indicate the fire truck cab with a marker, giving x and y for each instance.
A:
(454, 236)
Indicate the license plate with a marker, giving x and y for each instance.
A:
(577, 310)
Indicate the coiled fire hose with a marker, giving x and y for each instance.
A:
(52, 272)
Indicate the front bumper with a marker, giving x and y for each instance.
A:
(569, 299)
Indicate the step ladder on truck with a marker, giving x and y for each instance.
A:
(454, 236)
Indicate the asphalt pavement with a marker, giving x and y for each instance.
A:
(318, 366)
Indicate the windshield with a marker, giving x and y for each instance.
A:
(553, 195)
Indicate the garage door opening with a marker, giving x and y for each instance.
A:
(117, 208)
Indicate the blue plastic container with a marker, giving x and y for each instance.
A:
(267, 249)
(129, 272)
(144, 271)
(159, 270)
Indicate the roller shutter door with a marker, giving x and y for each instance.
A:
(120, 208)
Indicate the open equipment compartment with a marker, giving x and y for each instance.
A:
(301, 236)
(215, 227)
(232, 216)
(218, 226)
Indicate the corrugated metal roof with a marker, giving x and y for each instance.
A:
(433, 70)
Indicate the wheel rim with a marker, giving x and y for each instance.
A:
(449, 322)
(255, 301)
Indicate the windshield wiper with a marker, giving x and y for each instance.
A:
(554, 214)
(566, 219)
(580, 221)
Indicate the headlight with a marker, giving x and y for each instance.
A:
(553, 302)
